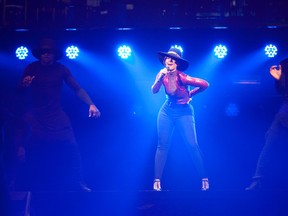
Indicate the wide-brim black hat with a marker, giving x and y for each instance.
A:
(47, 44)
(175, 54)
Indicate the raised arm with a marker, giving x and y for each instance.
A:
(158, 81)
(276, 73)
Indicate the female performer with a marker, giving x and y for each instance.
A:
(177, 112)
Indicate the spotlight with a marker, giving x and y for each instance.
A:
(21, 52)
(220, 51)
(232, 110)
(271, 50)
(178, 47)
(124, 51)
(72, 52)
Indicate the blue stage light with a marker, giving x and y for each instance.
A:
(271, 50)
(21, 52)
(232, 110)
(178, 47)
(220, 51)
(124, 52)
(72, 52)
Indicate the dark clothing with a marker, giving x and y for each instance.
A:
(53, 160)
(276, 138)
(282, 84)
(277, 135)
(52, 167)
(45, 115)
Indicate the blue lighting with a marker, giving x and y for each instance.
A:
(21, 52)
(220, 51)
(71, 29)
(21, 30)
(178, 47)
(220, 27)
(271, 50)
(272, 27)
(124, 29)
(72, 52)
(175, 28)
(232, 110)
(124, 51)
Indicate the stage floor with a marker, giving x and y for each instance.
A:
(152, 203)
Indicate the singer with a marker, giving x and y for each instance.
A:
(45, 136)
(177, 112)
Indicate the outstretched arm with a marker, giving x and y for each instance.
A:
(82, 94)
(93, 110)
(276, 73)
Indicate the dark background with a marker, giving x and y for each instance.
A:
(118, 148)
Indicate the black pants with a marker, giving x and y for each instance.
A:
(52, 167)
(274, 153)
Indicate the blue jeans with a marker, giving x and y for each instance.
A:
(180, 116)
(275, 136)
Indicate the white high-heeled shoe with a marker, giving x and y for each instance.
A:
(157, 185)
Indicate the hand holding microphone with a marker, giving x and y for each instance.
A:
(163, 72)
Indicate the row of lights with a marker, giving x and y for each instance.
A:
(220, 51)
(124, 51)
(22, 52)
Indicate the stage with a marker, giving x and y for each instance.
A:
(152, 203)
(118, 149)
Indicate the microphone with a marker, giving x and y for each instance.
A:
(163, 74)
(161, 77)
